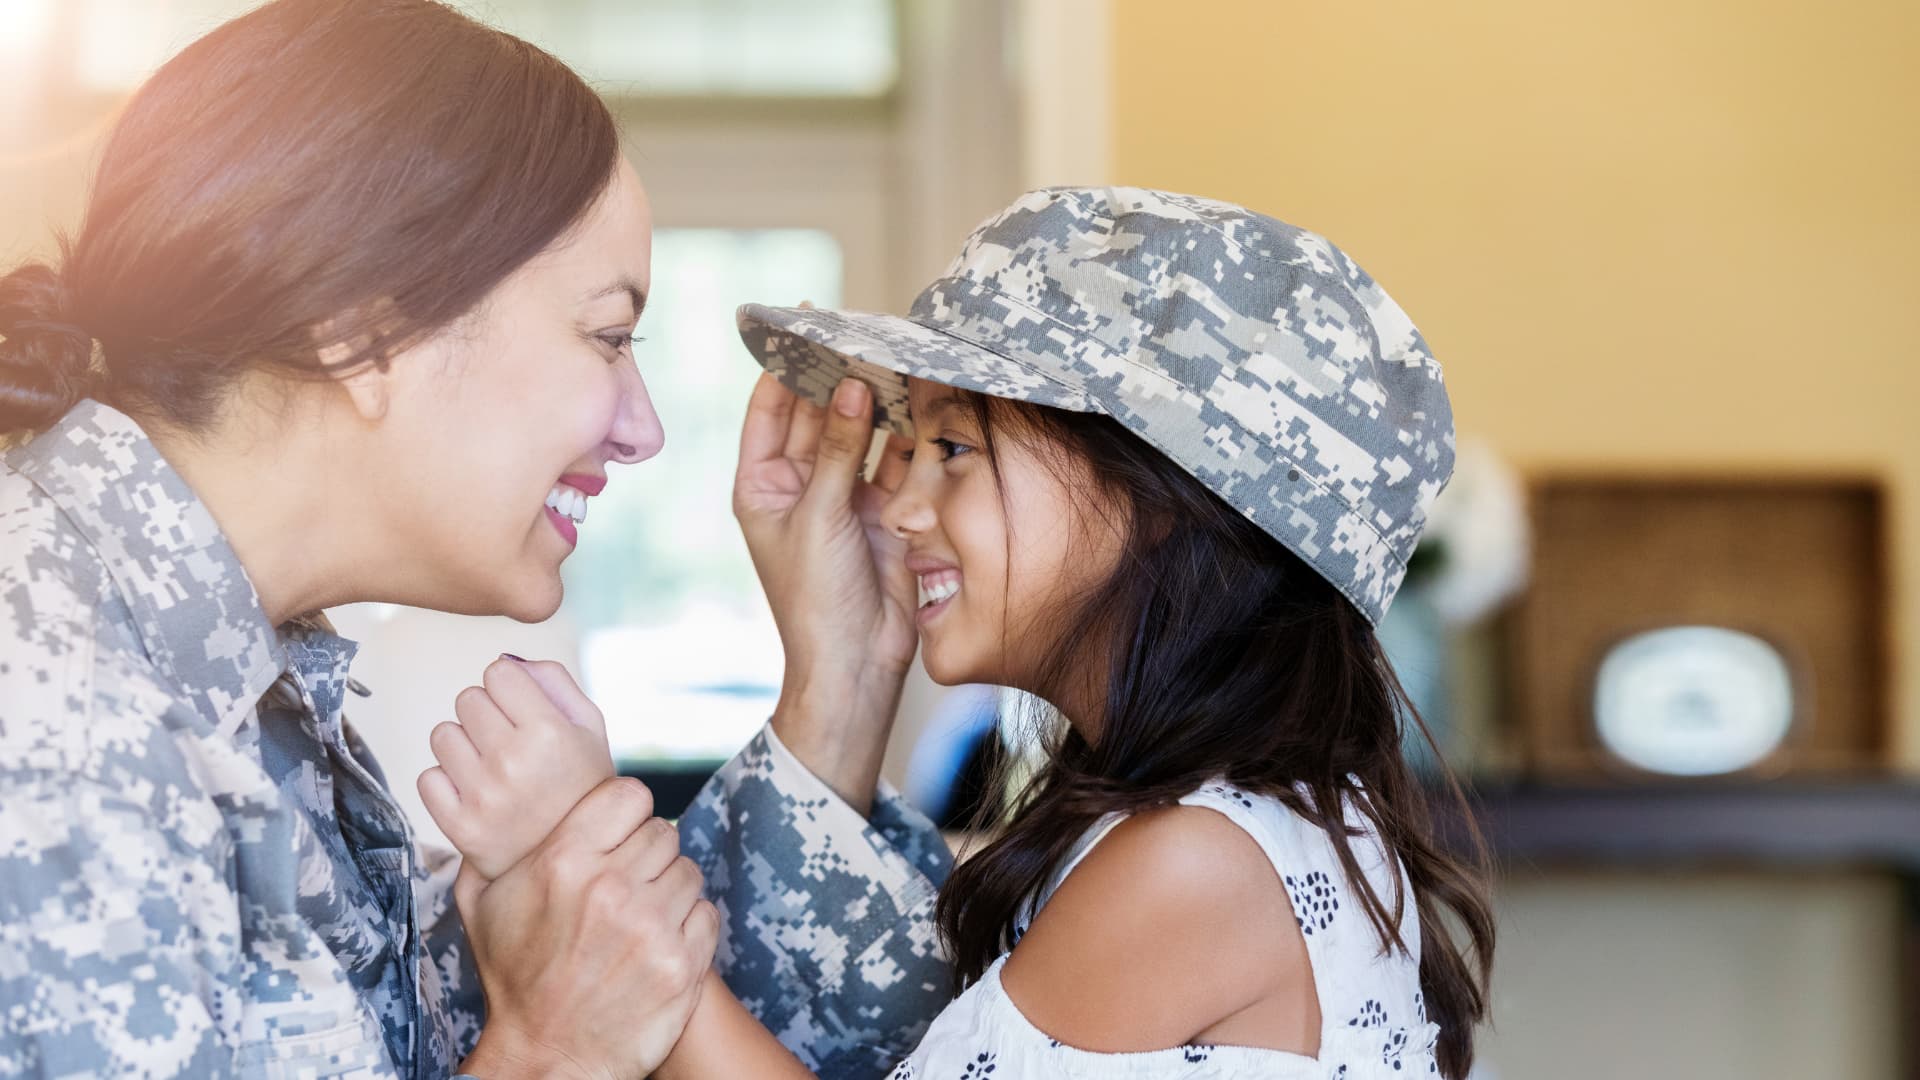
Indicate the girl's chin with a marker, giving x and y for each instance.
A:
(946, 670)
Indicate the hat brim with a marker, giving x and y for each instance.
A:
(811, 349)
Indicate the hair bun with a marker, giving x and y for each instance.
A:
(46, 361)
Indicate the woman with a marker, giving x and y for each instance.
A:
(348, 319)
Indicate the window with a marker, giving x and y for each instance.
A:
(761, 48)
(671, 48)
(676, 643)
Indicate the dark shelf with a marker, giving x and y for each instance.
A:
(1778, 823)
(673, 783)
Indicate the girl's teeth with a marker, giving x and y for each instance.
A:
(933, 594)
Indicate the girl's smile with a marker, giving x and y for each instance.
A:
(939, 583)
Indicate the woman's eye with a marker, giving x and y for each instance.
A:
(620, 341)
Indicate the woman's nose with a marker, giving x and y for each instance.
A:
(637, 433)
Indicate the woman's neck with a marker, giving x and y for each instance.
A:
(280, 507)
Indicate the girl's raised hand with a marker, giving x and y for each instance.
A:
(528, 746)
(836, 580)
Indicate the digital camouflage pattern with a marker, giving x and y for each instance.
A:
(1256, 355)
(827, 931)
(203, 873)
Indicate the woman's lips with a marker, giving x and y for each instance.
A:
(587, 483)
(564, 526)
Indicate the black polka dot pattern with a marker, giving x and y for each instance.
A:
(1372, 1015)
(1395, 1046)
(1315, 900)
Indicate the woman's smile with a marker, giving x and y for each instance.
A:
(567, 504)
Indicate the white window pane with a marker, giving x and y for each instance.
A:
(804, 48)
(676, 644)
(822, 48)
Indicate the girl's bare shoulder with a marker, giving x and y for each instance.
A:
(1174, 922)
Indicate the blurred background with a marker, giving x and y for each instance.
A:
(1668, 253)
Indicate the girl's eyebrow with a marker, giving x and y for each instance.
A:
(952, 399)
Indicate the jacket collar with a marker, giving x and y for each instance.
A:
(195, 610)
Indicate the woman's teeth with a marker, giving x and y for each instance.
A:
(568, 502)
(939, 589)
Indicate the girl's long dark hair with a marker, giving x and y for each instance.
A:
(1226, 656)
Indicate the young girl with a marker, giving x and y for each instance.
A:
(1169, 459)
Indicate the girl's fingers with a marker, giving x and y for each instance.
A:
(513, 689)
(439, 795)
(892, 470)
(486, 726)
(557, 683)
(455, 753)
(842, 451)
(803, 436)
(763, 435)
(869, 502)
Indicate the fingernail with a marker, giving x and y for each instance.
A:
(510, 656)
(846, 398)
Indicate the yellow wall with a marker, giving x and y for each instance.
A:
(1643, 233)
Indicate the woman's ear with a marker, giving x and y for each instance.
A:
(368, 385)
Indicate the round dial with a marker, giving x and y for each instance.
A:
(1693, 700)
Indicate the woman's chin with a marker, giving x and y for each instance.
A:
(536, 601)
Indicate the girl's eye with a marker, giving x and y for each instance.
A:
(948, 449)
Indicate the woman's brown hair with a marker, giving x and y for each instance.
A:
(312, 173)
(1225, 656)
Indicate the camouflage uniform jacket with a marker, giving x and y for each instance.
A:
(203, 873)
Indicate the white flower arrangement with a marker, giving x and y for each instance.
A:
(1477, 548)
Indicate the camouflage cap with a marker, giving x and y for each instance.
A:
(1254, 354)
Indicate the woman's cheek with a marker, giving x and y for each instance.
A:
(587, 408)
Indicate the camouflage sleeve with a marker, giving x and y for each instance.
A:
(119, 934)
(826, 916)
(449, 970)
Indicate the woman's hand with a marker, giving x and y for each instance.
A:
(592, 949)
(837, 581)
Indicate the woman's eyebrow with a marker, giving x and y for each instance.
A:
(627, 285)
